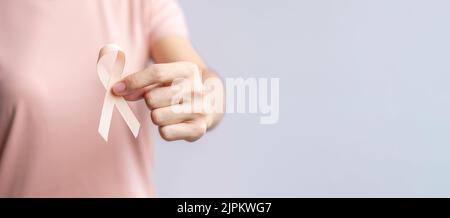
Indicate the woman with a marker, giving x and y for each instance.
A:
(51, 96)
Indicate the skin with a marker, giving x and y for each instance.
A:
(175, 58)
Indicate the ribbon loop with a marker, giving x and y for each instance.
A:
(108, 79)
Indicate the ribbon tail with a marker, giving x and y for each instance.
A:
(128, 116)
(106, 116)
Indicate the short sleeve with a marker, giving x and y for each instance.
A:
(164, 18)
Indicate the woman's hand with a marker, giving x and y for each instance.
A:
(159, 87)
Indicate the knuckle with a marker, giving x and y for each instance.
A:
(165, 133)
(129, 82)
(198, 115)
(198, 131)
(192, 67)
(193, 138)
(150, 100)
(156, 117)
(155, 67)
(157, 74)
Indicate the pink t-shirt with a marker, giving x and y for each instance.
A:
(51, 96)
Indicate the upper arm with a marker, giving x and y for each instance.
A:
(168, 33)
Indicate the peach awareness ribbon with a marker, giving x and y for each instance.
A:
(108, 79)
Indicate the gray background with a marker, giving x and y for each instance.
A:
(365, 101)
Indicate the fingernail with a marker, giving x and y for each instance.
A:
(119, 88)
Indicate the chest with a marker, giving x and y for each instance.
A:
(50, 48)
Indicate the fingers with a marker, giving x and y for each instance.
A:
(139, 94)
(164, 96)
(173, 115)
(135, 96)
(175, 125)
(174, 93)
(190, 131)
(155, 74)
